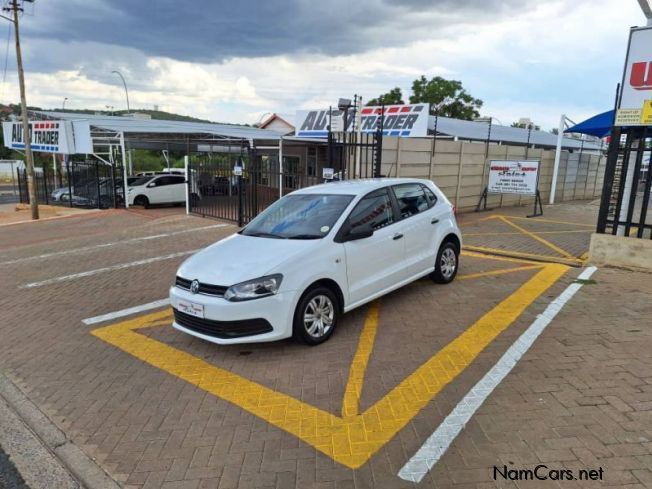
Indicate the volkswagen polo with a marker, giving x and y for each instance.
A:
(314, 255)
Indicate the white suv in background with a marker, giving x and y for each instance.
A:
(313, 255)
(159, 189)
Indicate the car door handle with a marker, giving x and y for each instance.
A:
(397, 236)
(434, 220)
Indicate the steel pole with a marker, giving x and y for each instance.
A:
(27, 137)
(126, 90)
(555, 170)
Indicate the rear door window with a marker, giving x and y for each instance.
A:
(411, 199)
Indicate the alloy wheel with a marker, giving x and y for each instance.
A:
(318, 316)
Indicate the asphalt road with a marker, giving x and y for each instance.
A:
(9, 476)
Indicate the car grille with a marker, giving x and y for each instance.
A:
(206, 289)
(222, 329)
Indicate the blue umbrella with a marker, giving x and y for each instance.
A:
(598, 125)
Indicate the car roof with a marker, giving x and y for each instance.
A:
(358, 186)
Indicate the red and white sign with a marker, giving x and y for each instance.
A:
(637, 79)
(45, 136)
(513, 177)
(409, 120)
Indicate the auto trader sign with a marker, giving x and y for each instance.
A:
(397, 120)
(46, 136)
(513, 177)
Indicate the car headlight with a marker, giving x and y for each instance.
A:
(254, 289)
(129, 190)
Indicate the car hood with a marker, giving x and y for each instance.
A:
(239, 258)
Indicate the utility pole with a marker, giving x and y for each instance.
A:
(14, 7)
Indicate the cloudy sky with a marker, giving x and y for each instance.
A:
(234, 61)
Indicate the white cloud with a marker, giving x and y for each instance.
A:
(561, 56)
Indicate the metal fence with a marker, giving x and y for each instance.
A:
(625, 204)
(240, 198)
(86, 184)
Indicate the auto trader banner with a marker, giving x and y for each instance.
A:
(46, 136)
(409, 120)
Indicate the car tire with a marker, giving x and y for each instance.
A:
(323, 301)
(447, 263)
(142, 200)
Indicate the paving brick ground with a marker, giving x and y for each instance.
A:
(581, 398)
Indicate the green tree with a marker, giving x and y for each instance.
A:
(393, 97)
(446, 97)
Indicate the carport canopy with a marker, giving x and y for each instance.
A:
(483, 131)
(94, 132)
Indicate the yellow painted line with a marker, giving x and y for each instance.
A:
(499, 272)
(584, 256)
(552, 221)
(538, 232)
(351, 441)
(353, 390)
(488, 253)
(520, 257)
(538, 238)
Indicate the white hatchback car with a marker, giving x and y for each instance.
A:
(313, 255)
(169, 188)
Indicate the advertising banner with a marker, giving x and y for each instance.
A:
(513, 177)
(636, 85)
(46, 136)
(409, 120)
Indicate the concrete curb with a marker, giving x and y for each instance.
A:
(41, 452)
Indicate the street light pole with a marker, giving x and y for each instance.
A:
(126, 90)
(63, 107)
(27, 137)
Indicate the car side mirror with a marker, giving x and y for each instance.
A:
(360, 232)
(150, 185)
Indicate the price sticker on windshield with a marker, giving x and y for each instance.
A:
(328, 173)
(237, 171)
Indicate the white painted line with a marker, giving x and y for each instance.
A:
(105, 245)
(436, 445)
(126, 312)
(97, 271)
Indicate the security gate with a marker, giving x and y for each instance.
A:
(625, 205)
(241, 181)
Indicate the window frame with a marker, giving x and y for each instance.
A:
(431, 203)
(346, 224)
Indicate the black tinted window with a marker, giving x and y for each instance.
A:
(411, 199)
(375, 209)
(431, 196)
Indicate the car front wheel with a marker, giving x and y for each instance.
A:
(316, 316)
(446, 264)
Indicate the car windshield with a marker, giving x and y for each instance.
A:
(140, 181)
(302, 216)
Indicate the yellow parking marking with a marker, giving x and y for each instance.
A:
(535, 220)
(538, 238)
(353, 390)
(351, 440)
(469, 251)
(498, 272)
(519, 256)
(538, 232)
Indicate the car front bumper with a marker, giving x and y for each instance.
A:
(228, 323)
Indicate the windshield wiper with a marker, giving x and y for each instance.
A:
(305, 236)
(264, 235)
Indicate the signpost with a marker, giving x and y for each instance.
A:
(520, 177)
